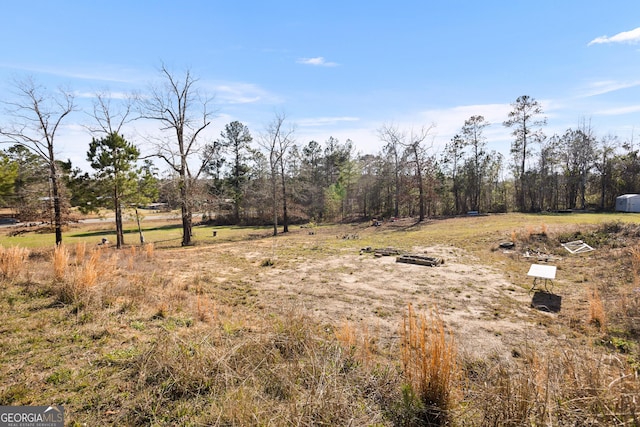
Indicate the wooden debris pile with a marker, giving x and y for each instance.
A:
(402, 257)
(420, 260)
(380, 252)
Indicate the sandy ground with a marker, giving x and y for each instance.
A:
(489, 315)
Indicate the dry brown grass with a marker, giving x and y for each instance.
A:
(167, 340)
(555, 387)
(635, 264)
(12, 261)
(80, 252)
(543, 228)
(430, 365)
(205, 309)
(356, 342)
(597, 316)
(60, 262)
(149, 250)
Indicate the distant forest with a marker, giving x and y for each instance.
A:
(268, 177)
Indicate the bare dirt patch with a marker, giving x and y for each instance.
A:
(483, 308)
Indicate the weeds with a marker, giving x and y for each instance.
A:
(60, 262)
(357, 345)
(149, 250)
(267, 263)
(596, 310)
(85, 275)
(160, 353)
(635, 264)
(205, 312)
(12, 261)
(81, 250)
(429, 361)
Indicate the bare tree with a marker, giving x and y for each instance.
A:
(606, 151)
(110, 116)
(37, 117)
(184, 114)
(417, 153)
(579, 152)
(393, 139)
(452, 159)
(277, 140)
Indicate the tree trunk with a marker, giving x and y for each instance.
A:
(55, 191)
(139, 228)
(119, 233)
(185, 209)
(118, 211)
(275, 205)
(285, 214)
(396, 201)
(421, 193)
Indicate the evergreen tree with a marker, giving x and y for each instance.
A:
(114, 159)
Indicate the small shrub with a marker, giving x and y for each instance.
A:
(267, 263)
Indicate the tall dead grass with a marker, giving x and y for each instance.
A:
(635, 264)
(80, 252)
(149, 249)
(357, 343)
(84, 277)
(430, 365)
(277, 372)
(242, 367)
(60, 262)
(12, 261)
(597, 314)
(553, 387)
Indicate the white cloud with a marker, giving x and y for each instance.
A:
(109, 95)
(318, 61)
(630, 37)
(241, 93)
(104, 72)
(618, 111)
(324, 121)
(606, 86)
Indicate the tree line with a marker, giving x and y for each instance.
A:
(271, 178)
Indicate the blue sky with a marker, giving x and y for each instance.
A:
(340, 68)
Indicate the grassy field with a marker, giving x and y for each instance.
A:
(309, 328)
